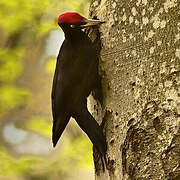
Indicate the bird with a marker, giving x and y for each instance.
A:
(76, 75)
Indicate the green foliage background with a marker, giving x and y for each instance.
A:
(25, 90)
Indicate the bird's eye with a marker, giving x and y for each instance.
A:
(73, 26)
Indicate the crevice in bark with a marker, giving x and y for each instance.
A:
(170, 162)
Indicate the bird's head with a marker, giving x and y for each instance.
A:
(75, 20)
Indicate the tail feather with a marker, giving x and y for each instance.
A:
(89, 125)
(58, 127)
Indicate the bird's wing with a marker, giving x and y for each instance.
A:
(57, 96)
(60, 117)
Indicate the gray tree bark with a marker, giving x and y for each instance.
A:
(140, 70)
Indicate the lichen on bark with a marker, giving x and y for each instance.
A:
(140, 70)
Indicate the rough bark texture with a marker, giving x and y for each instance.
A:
(140, 69)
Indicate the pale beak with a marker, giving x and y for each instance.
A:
(91, 22)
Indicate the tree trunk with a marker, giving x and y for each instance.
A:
(140, 70)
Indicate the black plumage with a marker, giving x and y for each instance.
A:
(76, 75)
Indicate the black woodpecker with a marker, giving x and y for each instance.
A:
(76, 75)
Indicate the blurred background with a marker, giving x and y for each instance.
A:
(29, 42)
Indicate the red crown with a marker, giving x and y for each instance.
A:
(70, 18)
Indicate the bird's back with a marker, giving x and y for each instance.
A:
(76, 70)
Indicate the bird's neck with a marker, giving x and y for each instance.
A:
(72, 33)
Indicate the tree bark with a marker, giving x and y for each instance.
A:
(140, 70)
